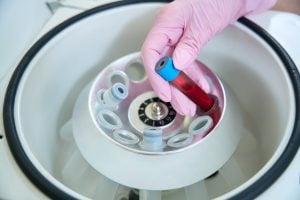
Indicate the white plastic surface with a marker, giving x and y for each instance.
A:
(285, 28)
(19, 26)
(287, 187)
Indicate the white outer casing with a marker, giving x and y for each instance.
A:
(15, 185)
(285, 28)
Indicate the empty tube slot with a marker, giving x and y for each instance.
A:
(201, 125)
(136, 71)
(180, 140)
(118, 77)
(125, 137)
(109, 120)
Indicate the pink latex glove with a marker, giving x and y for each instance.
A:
(180, 30)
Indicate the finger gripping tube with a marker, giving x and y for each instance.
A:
(166, 69)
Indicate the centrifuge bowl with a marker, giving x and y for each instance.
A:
(45, 85)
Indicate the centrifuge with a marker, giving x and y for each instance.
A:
(79, 119)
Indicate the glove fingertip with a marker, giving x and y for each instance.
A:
(192, 110)
(160, 87)
(164, 96)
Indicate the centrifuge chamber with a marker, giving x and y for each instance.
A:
(43, 89)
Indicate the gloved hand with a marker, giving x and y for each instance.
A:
(180, 30)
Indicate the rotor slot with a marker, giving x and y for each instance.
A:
(136, 71)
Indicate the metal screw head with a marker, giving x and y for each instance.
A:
(157, 110)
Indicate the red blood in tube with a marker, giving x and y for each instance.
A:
(188, 87)
(206, 102)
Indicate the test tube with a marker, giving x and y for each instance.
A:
(112, 96)
(166, 69)
(152, 139)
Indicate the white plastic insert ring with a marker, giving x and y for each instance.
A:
(118, 77)
(180, 140)
(125, 137)
(201, 125)
(109, 120)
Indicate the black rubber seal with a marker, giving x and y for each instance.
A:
(56, 193)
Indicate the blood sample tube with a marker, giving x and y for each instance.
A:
(165, 68)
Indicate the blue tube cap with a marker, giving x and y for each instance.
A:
(165, 68)
(119, 91)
